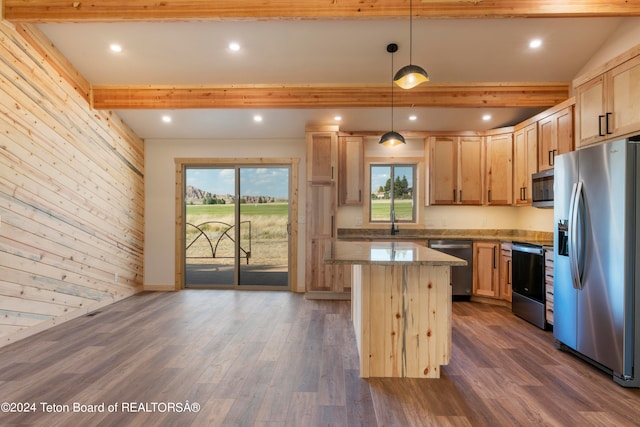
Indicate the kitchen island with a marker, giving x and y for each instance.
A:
(401, 306)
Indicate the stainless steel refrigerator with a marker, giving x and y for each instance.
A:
(596, 259)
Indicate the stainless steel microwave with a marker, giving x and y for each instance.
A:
(542, 189)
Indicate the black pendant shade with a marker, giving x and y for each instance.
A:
(391, 139)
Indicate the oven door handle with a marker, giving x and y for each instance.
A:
(574, 214)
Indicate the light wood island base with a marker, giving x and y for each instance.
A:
(401, 307)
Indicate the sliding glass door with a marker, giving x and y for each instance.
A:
(237, 226)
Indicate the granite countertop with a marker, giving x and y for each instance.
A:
(387, 253)
(536, 237)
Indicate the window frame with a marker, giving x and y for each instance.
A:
(392, 197)
(418, 190)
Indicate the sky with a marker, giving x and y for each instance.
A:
(380, 175)
(258, 181)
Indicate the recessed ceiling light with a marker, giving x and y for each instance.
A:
(115, 47)
(257, 118)
(166, 119)
(337, 118)
(486, 117)
(234, 46)
(413, 117)
(535, 43)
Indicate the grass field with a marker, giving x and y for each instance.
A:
(380, 210)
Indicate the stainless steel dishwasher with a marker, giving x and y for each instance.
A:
(461, 277)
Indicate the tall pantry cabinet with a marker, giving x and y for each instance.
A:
(323, 281)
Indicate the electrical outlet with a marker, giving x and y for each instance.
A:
(116, 277)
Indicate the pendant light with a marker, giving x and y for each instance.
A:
(410, 75)
(391, 139)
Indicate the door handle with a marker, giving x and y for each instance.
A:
(606, 124)
(600, 125)
(576, 195)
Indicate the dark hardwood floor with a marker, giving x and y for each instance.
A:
(277, 359)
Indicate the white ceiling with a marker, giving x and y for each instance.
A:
(335, 51)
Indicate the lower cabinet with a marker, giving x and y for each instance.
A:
(548, 282)
(492, 269)
(505, 271)
(486, 269)
(325, 281)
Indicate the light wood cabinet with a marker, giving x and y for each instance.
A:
(323, 280)
(456, 173)
(505, 271)
(606, 105)
(486, 269)
(351, 170)
(321, 231)
(322, 156)
(525, 153)
(499, 169)
(555, 136)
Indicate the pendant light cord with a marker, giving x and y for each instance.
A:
(392, 91)
(410, 32)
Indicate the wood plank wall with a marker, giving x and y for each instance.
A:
(71, 198)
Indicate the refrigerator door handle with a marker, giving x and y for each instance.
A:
(574, 208)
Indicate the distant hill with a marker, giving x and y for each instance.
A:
(196, 196)
(194, 193)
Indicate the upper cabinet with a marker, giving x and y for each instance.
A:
(555, 136)
(606, 103)
(322, 156)
(456, 173)
(499, 169)
(351, 170)
(525, 163)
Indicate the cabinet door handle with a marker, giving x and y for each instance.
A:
(331, 173)
(359, 195)
(460, 196)
(509, 272)
(606, 124)
(454, 195)
(600, 118)
(494, 257)
(489, 196)
(332, 221)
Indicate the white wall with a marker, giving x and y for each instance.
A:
(624, 38)
(159, 246)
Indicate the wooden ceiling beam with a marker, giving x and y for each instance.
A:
(39, 11)
(468, 95)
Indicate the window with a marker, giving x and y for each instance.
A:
(392, 195)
